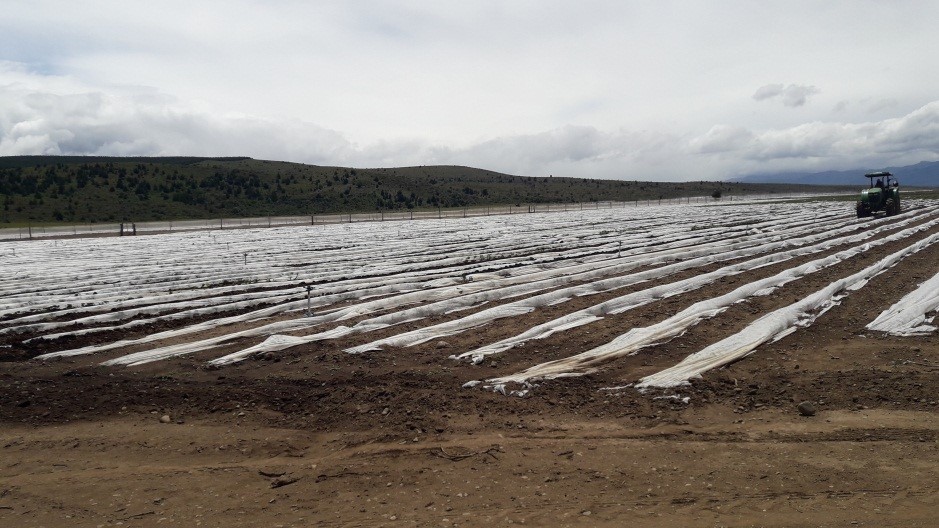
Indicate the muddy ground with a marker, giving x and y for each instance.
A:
(317, 437)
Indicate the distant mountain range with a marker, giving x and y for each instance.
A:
(923, 174)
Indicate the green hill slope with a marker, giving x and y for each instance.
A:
(99, 189)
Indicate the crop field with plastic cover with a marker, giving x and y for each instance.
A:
(636, 359)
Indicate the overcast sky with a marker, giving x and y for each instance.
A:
(683, 90)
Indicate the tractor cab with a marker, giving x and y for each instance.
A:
(883, 179)
(881, 198)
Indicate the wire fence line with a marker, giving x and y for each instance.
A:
(164, 226)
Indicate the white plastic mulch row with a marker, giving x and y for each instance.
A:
(387, 273)
(84, 273)
(698, 257)
(441, 301)
(909, 316)
(578, 318)
(709, 254)
(119, 304)
(527, 305)
(330, 295)
(468, 299)
(457, 290)
(636, 299)
(124, 267)
(283, 326)
(638, 338)
(774, 325)
(162, 275)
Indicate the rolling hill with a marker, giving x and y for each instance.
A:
(106, 189)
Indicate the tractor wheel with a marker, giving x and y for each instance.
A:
(890, 207)
(861, 211)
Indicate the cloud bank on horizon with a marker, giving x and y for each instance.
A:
(635, 90)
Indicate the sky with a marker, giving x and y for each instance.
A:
(619, 89)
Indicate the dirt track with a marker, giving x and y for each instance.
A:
(317, 437)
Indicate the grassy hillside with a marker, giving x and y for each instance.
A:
(98, 189)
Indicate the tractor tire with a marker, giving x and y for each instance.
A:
(890, 207)
(862, 211)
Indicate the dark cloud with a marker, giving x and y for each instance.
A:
(792, 95)
(94, 123)
(581, 151)
(879, 105)
(768, 91)
(912, 137)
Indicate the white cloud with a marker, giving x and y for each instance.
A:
(722, 138)
(598, 88)
(76, 119)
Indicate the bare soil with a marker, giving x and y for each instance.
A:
(317, 437)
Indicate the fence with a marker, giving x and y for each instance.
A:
(133, 228)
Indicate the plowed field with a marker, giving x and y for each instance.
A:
(313, 435)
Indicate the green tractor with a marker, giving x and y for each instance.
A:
(881, 198)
